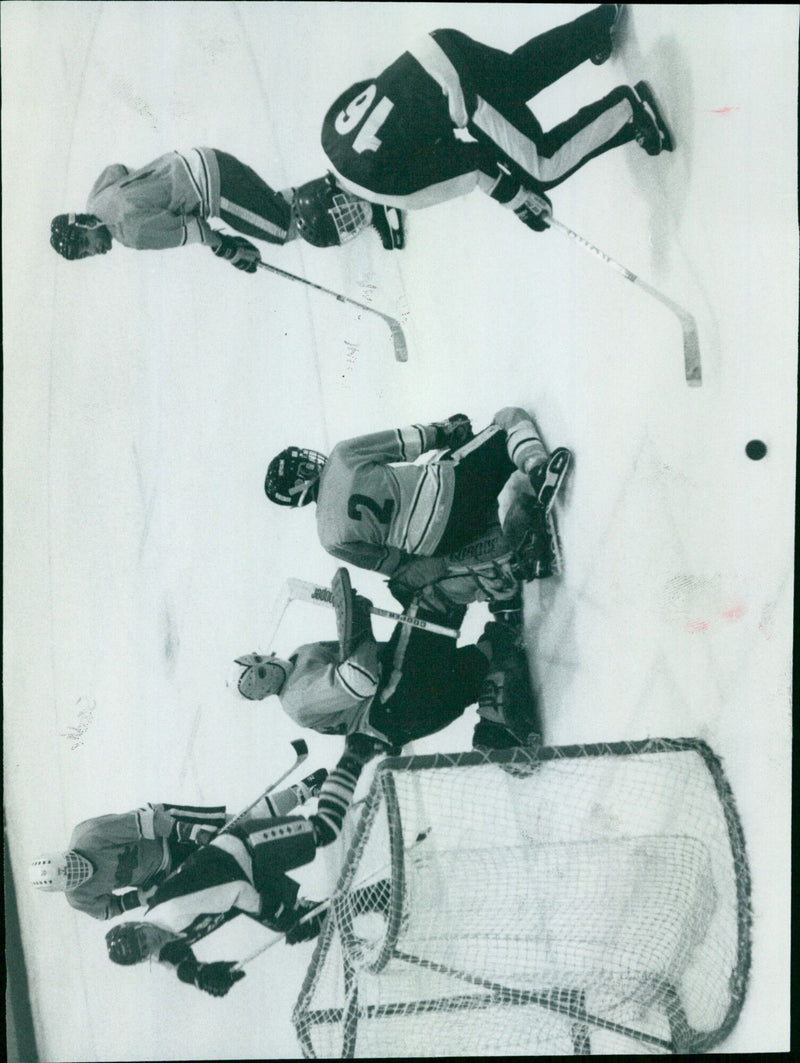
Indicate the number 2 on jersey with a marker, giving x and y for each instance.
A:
(356, 111)
(382, 514)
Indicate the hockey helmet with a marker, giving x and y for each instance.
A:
(132, 942)
(60, 872)
(67, 233)
(292, 475)
(263, 675)
(326, 215)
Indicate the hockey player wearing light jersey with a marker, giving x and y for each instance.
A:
(168, 202)
(451, 115)
(403, 690)
(115, 862)
(427, 525)
(243, 870)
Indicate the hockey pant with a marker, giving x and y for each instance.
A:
(429, 683)
(248, 204)
(498, 85)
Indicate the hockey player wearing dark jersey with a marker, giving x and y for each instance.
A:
(243, 870)
(451, 115)
(431, 525)
(401, 690)
(115, 862)
(168, 202)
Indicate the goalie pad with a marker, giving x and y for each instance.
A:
(353, 623)
(507, 701)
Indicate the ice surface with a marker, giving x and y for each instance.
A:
(146, 392)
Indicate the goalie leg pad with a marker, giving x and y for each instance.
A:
(507, 699)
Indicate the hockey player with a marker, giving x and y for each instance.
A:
(241, 871)
(115, 862)
(168, 202)
(408, 688)
(430, 525)
(450, 115)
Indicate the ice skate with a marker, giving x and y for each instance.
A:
(604, 50)
(389, 223)
(546, 479)
(652, 132)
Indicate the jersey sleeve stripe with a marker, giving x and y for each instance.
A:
(195, 183)
(436, 64)
(358, 682)
(252, 218)
(431, 484)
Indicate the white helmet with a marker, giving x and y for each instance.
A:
(262, 675)
(60, 872)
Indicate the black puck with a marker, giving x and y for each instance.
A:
(756, 449)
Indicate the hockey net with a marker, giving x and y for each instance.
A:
(567, 900)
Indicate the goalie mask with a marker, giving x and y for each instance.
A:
(69, 234)
(60, 872)
(327, 216)
(293, 475)
(262, 675)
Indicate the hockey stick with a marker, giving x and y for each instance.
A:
(301, 590)
(398, 336)
(691, 343)
(301, 752)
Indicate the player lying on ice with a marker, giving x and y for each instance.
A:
(114, 863)
(451, 115)
(243, 870)
(433, 528)
(168, 202)
(401, 690)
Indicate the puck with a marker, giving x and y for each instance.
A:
(755, 449)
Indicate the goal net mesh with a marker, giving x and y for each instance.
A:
(567, 900)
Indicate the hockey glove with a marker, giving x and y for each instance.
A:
(217, 978)
(415, 573)
(533, 210)
(187, 833)
(305, 931)
(238, 251)
(454, 432)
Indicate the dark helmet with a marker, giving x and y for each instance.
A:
(66, 232)
(326, 215)
(292, 475)
(125, 944)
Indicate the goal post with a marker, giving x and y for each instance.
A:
(567, 900)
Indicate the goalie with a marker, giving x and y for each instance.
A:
(114, 863)
(408, 688)
(433, 528)
(167, 203)
(243, 871)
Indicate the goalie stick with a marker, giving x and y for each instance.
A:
(302, 590)
(691, 343)
(398, 336)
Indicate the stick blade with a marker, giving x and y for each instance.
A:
(691, 355)
(300, 747)
(399, 341)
